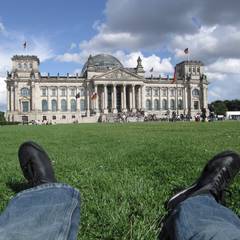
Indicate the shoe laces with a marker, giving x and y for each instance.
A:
(220, 184)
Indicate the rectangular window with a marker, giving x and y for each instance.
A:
(196, 105)
(63, 117)
(172, 92)
(73, 116)
(63, 92)
(54, 118)
(73, 92)
(155, 92)
(53, 92)
(164, 92)
(44, 92)
(148, 92)
(25, 106)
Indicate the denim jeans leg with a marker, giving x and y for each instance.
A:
(202, 218)
(46, 212)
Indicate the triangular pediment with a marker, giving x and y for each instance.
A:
(119, 74)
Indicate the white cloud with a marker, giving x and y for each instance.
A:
(2, 94)
(11, 44)
(225, 66)
(160, 66)
(226, 88)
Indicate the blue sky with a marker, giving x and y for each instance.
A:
(63, 34)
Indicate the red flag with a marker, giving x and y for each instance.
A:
(25, 45)
(186, 50)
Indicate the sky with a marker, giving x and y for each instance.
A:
(63, 33)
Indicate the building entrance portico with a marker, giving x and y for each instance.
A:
(114, 98)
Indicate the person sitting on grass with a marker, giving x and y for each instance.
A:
(197, 212)
(50, 210)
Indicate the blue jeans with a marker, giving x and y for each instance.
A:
(46, 212)
(202, 218)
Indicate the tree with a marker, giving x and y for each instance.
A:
(218, 107)
(2, 118)
(233, 105)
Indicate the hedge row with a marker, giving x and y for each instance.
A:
(9, 123)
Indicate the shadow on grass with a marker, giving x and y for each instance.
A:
(17, 186)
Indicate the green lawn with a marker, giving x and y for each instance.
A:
(124, 172)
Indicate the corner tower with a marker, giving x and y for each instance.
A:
(195, 81)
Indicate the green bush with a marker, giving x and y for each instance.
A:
(8, 123)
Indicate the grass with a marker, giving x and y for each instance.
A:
(125, 172)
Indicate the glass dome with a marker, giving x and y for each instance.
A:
(103, 62)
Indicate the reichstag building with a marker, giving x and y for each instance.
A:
(104, 87)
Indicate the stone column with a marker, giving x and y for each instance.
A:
(176, 99)
(105, 99)
(88, 101)
(12, 99)
(138, 98)
(96, 98)
(124, 98)
(58, 99)
(68, 100)
(16, 98)
(8, 98)
(115, 98)
(168, 102)
(160, 100)
(133, 99)
(205, 98)
(78, 101)
(142, 106)
(33, 97)
(152, 105)
(130, 92)
(48, 99)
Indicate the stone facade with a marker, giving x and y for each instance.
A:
(105, 86)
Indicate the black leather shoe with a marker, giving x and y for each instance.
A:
(35, 164)
(215, 178)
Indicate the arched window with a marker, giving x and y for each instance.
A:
(73, 105)
(25, 92)
(82, 105)
(156, 104)
(63, 105)
(19, 65)
(148, 105)
(195, 92)
(172, 104)
(44, 105)
(180, 104)
(54, 105)
(25, 66)
(164, 104)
